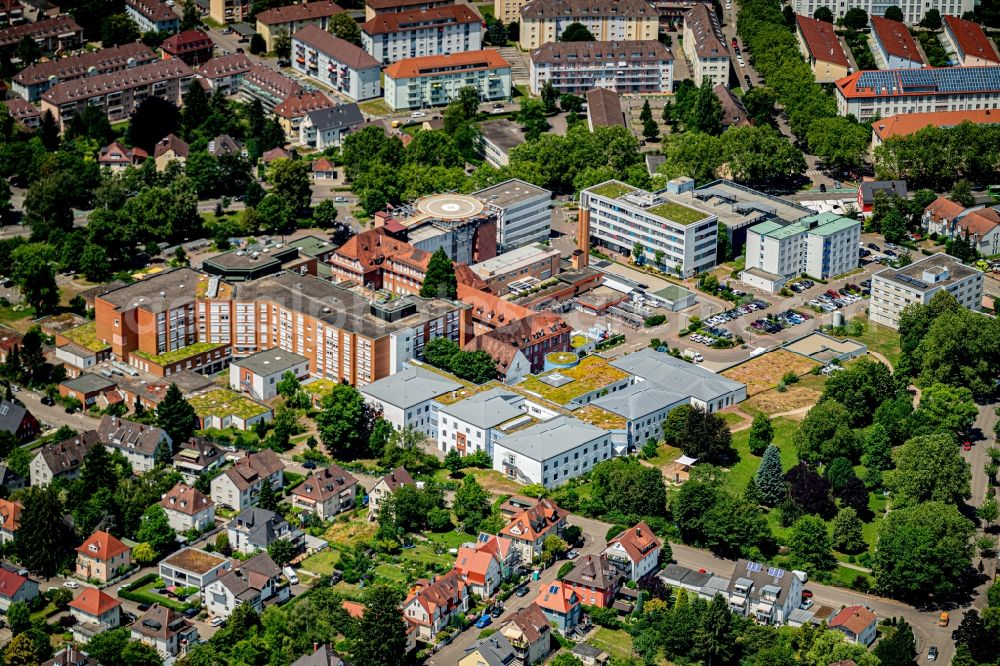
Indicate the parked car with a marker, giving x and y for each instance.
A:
(190, 613)
(484, 621)
(873, 246)
(71, 584)
(143, 607)
(46, 400)
(497, 611)
(967, 446)
(218, 621)
(309, 464)
(572, 555)
(932, 653)
(807, 594)
(522, 591)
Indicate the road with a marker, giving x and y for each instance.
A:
(56, 415)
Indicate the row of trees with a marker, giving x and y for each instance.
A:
(937, 157)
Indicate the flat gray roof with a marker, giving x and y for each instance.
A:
(487, 409)
(157, 293)
(676, 374)
(640, 399)
(737, 205)
(88, 383)
(912, 276)
(410, 387)
(270, 361)
(503, 133)
(510, 192)
(551, 438)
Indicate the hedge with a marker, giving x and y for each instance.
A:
(130, 592)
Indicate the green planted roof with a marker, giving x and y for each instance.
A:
(611, 189)
(223, 402)
(677, 213)
(166, 358)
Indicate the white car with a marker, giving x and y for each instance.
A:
(417, 114)
(217, 621)
(71, 584)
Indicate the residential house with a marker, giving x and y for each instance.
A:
(326, 492)
(895, 47)
(968, 42)
(115, 157)
(225, 145)
(431, 604)
(18, 421)
(637, 550)
(820, 45)
(10, 519)
(705, 46)
(101, 557)
(595, 579)
(95, 612)
(980, 225)
(255, 529)
(15, 587)
(193, 567)
(590, 655)
(165, 630)
(326, 128)
(869, 188)
(197, 456)
(386, 486)
(61, 460)
(529, 634)
(495, 650)
(11, 479)
(153, 15)
(70, 656)
(170, 148)
(335, 63)
(480, 571)
(252, 582)
(323, 169)
(322, 655)
(407, 399)
(529, 529)
(503, 550)
(144, 446)
(767, 594)
(734, 113)
(291, 18)
(857, 623)
(239, 486)
(435, 80)
(893, 289)
(194, 47)
(188, 509)
(560, 605)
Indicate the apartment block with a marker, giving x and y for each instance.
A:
(35, 79)
(508, 11)
(608, 20)
(895, 288)
(624, 67)
(889, 92)
(293, 17)
(335, 63)
(894, 46)
(705, 46)
(267, 86)
(153, 15)
(422, 32)
(523, 213)
(228, 11)
(60, 33)
(618, 216)
(24, 113)
(822, 246)
(534, 261)
(119, 94)
(225, 73)
(374, 8)
(967, 43)
(905, 124)
(821, 48)
(417, 83)
(913, 10)
(552, 452)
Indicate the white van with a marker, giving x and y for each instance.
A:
(693, 355)
(290, 575)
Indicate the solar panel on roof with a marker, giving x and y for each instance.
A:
(754, 567)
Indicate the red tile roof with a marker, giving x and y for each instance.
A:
(10, 515)
(104, 84)
(39, 30)
(557, 597)
(490, 308)
(821, 41)
(322, 165)
(532, 523)
(102, 546)
(904, 124)
(371, 248)
(970, 38)
(182, 498)
(354, 609)
(979, 222)
(637, 541)
(465, 61)
(895, 38)
(419, 19)
(171, 142)
(336, 48)
(94, 602)
(944, 209)
(473, 564)
(78, 65)
(235, 63)
(853, 618)
(189, 40)
(299, 12)
(446, 593)
(322, 484)
(10, 583)
(302, 103)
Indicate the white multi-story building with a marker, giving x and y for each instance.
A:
(889, 92)
(416, 83)
(259, 374)
(821, 245)
(552, 452)
(895, 288)
(335, 63)
(607, 20)
(407, 398)
(625, 67)
(422, 32)
(618, 216)
(153, 15)
(913, 10)
(523, 210)
(704, 46)
(472, 425)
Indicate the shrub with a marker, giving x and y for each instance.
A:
(790, 377)
(655, 320)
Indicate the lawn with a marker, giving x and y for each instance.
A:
(775, 402)
(146, 594)
(169, 357)
(348, 533)
(322, 562)
(451, 539)
(617, 643)
(664, 455)
(675, 212)
(493, 481)
(9, 313)
(612, 190)
(223, 402)
(765, 371)
(376, 107)
(741, 472)
(591, 374)
(881, 339)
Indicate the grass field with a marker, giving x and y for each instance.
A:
(879, 338)
(765, 371)
(740, 473)
(664, 455)
(617, 643)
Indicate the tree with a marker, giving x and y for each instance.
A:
(928, 468)
(28, 51)
(190, 18)
(20, 652)
(982, 645)
(155, 529)
(281, 551)
(877, 449)
(961, 193)
(825, 433)
(861, 389)
(471, 505)
(761, 433)
(577, 32)
(152, 120)
(94, 263)
(268, 499)
(770, 477)
(809, 543)
(847, 536)
(345, 422)
(19, 617)
(759, 102)
(143, 553)
(570, 103)
(325, 213)
(760, 154)
(839, 472)
(856, 18)
(650, 130)
(966, 361)
(931, 20)
(282, 44)
(380, 639)
(288, 385)
(290, 179)
(894, 13)
(706, 436)
(194, 113)
(439, 352)
(119, 29)
(897, 646)
(922, 550)
(549, 97)
(840, 142)
(531, 117)
(823, 14)
(440, 280)
(988, 511)
(628, 486)
(715, 637)
(257, 44)
(944, 409)
(35, 276)
(42, 540)
(344, 26)
(176, 416)
(809, 490)
(553, 548)
(477, 366)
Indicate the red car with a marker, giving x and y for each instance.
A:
(967, 446)
(807, 594)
